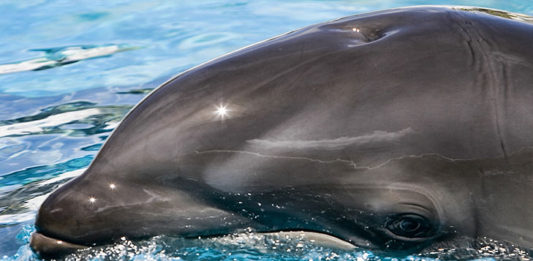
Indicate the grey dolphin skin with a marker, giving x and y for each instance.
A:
(394, 131)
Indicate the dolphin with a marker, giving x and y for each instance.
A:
(393, 131)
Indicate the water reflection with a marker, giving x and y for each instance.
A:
(68, 133)
(74, 119)
(54, 57)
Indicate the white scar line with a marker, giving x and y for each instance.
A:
(349, 162)
(374, 137)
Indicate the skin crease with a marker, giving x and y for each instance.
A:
(394, 130)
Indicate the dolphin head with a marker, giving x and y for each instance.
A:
(394, 130)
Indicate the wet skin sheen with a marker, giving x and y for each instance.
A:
(394, 130)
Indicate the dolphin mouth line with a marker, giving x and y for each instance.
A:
(318, 238)
(46, 246)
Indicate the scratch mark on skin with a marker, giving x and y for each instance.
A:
(349, 162)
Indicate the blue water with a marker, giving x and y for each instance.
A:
(70, 70)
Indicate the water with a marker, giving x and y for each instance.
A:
(70, 70)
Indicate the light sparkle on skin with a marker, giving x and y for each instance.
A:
(222, 111)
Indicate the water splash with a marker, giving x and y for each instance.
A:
(256, 246)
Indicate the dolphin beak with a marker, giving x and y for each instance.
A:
(48, 247)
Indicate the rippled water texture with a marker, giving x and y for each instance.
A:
(70, 70)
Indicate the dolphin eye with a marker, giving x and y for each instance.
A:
(409, 226)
